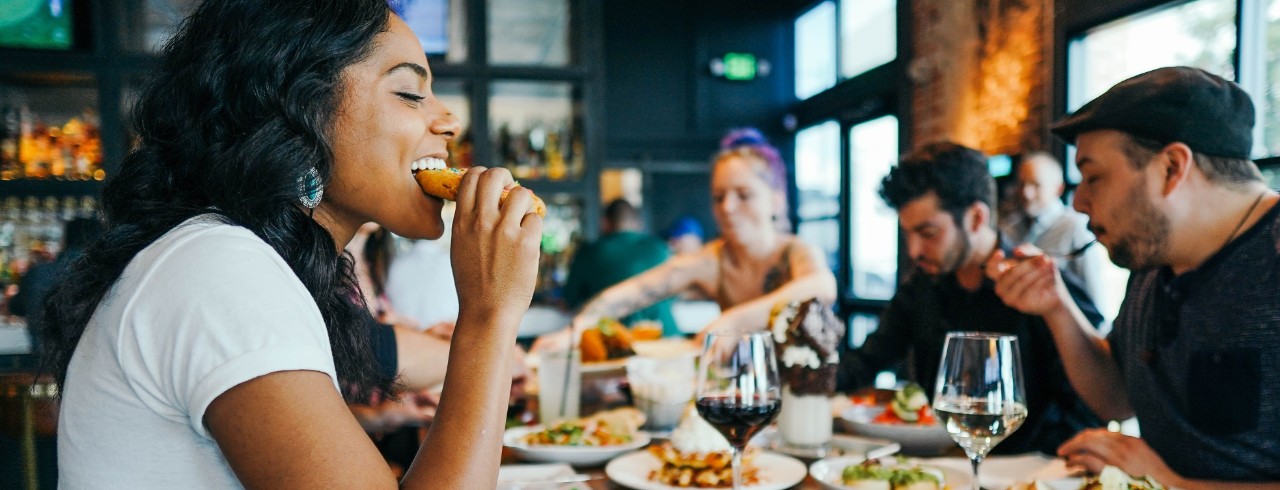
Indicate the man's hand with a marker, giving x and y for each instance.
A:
(1095, 448)
(1028, 282)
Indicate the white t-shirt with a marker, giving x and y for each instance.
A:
(420, 284)
(206, 307)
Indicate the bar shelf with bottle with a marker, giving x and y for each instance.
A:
(50, 132)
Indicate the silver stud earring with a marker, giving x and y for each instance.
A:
(310, 189)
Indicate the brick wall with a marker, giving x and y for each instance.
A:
(981, 73)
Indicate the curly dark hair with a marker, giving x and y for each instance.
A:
(956, 174)
(240, 108)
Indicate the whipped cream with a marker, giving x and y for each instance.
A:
(695, 435)
(798, 355)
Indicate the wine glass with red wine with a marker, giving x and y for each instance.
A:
(738, 390)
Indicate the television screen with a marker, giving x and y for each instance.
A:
(38, 24)
(429, 19)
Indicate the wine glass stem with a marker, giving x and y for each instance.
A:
(975, 461)
(736, 463)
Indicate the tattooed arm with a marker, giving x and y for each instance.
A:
(810, 277)
(667, 279)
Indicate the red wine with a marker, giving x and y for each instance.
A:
(737, 420)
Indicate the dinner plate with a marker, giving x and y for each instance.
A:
(828, 470)
(920, 440)
(777, 472)
(539, 476)
(574, 455)
(532, 360)
(840, 445)
(1060, 484)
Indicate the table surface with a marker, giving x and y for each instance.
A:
(998, 471)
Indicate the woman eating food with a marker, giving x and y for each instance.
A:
(210, 338)
(755, 264)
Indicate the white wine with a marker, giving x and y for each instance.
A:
(978, 425)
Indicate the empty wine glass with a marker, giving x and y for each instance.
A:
(979, 394)
(737, 389)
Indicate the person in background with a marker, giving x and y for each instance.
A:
(212, 337)
(35, 284)
(420, 284)
(944, 197)
(755, 265)
(622, 251)
(685, 236)
(1170, 191)
(1044, 221)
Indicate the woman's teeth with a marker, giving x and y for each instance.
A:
(427, 163)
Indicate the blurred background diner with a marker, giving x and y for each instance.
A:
(614, 113)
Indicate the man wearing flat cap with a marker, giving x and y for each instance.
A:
(1170, 191)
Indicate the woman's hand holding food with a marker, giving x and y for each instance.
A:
(495, 252)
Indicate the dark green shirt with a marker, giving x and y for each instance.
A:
(612, 259)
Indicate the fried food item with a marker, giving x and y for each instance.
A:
(592, 346)
(646, 330)
(701, 470)
(607, 340)
(443, 183)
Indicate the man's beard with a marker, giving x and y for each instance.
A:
(956, 256)
(1142, 246)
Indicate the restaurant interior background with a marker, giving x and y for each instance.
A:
(588, 100)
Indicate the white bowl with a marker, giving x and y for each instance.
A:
(918, 440)
(574, 455)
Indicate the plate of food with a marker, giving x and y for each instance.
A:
(906, 419)
(585, 441)
(855, 473)
(607, 346)
(1111, 478)
(647, 470)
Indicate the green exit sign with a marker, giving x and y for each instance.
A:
(739, 66)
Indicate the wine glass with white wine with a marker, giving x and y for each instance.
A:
(979, 396)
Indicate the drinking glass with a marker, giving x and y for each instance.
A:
(738, 391)
(979, 396)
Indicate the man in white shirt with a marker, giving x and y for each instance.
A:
(1044, 221)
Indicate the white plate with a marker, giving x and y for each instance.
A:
(840, 445)
(574, 455)
(777, 472)
(522, 476)
(827, 471)
(666, 348)
(1002, 472)
(921, 440)
(1062, 484)
(532, 360)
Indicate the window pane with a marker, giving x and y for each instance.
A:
(536, 129)
(529, 32)
(873, 149)
(1267, 73)
(818, 184)
(1201, 33)
(147, 24)
(440, 25)
(816, 50)
(868, 35)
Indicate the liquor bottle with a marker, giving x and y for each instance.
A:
(10, 131)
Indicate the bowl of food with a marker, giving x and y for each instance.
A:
(586, 441)
(906, 420)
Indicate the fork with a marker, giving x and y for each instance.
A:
(1067, 256)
